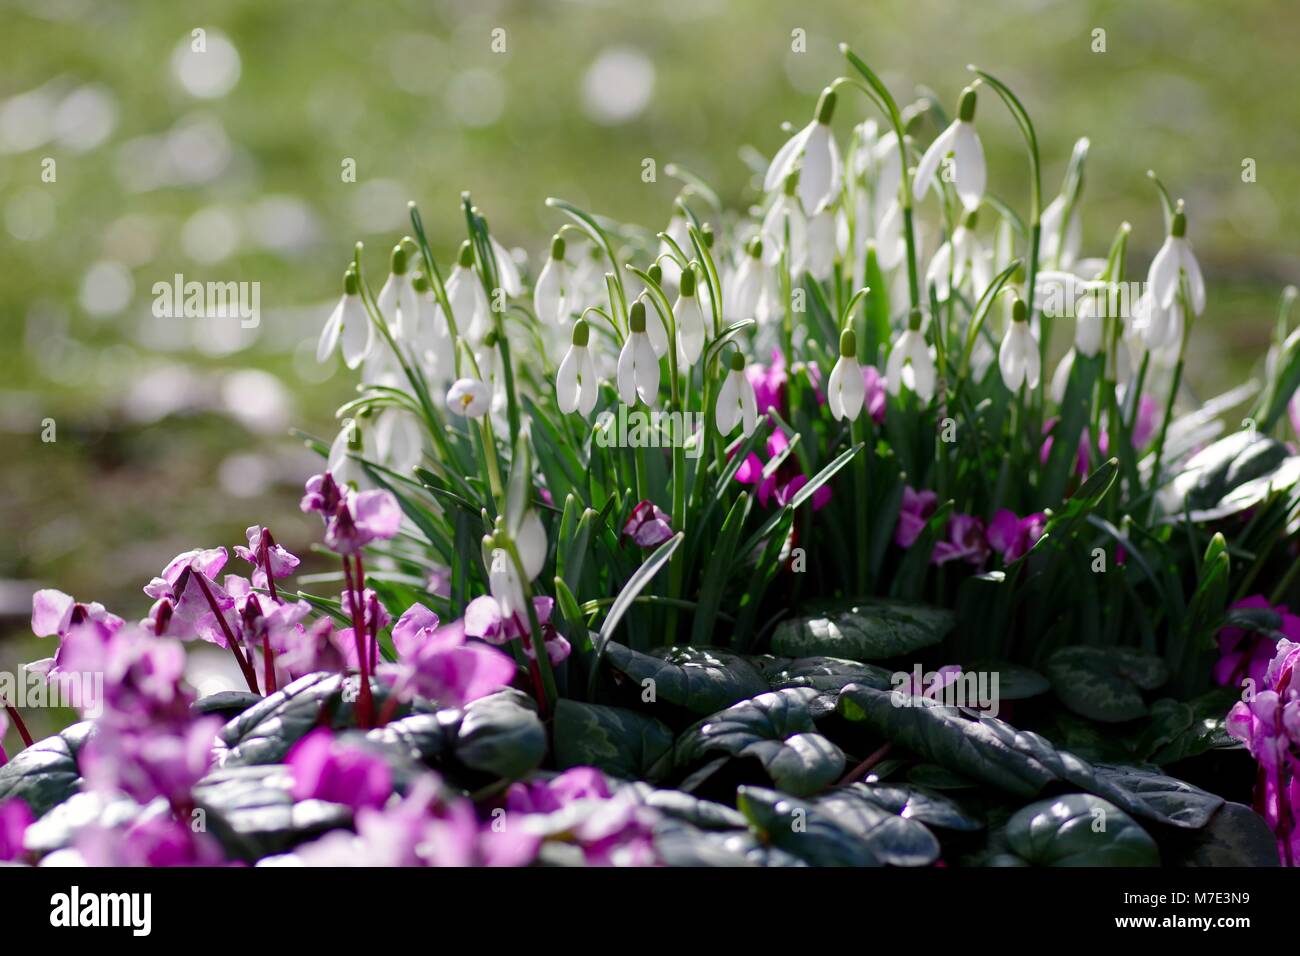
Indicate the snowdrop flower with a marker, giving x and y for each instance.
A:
(1061, 377)
(910, 362)
(503, 581)
(846, 388)
(397, 298)
(745, 285)
(737, 404)
(891, 247)
(1018, 357)
(680, 233)
(552, 285)
(1058, 249)
(465, 295)
(786, 211)
(656, 327)
(1089, 323)
(1159, 327)
(690, 321)
(962, 254)
(821, 244)
(399, 440)
(576, 383)
(813, 149)
(638, 367)
(345, 469)
(1176, 257)
(469, 397)
(432, 339)
(507, 270)
(347, 323)
(961, 140)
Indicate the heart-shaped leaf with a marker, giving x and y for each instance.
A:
(917, 803)
(776, 729)
(45, 774)
(702, 679)
(803, 830)
(829, 674)
(501, 735)
(866, 631)
(1235, 836)
(1014, 681)
(1079, 829)
(892, 839)
(620, 742)
(1105, 683)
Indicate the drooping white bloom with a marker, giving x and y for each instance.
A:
(341, 465)
(432, 340)
(550, 293)
(1089, 322)
(576, 384)
(1061, 377)
(689, 316)
(468, 301)
(1160, 327)
(813, 150)
(1175, 258)
(680, 233)
(821, 244)
(891, 246)
(396, 299)
(786, 213)
(638, 366)
(503, 581)
(531, 544)
(737, 403)
(1058, 248)
(911, 362)
(507, 268)
(399, 440)
(744, 286)
(655, 328)
(382, 367)
(347, 323)
(1018, 357)
(963, 254)
(968, 170)
(846, 388)
(469, 397)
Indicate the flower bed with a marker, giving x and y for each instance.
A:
(765, 539)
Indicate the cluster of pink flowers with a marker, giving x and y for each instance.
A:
(966, 537)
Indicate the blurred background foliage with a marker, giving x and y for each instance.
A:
(226, 165)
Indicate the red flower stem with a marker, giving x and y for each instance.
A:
(249, 674)
(861, 769)
(17, 718)
(365, 706)
(268, 656)
(268, 665)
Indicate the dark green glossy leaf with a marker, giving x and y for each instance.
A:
(917, 803)
(45, 774)
(704, 680)
(501, 735)
(620, 742)
(801, 829)
(1105, 684)
(1079, 829)
(869, 630)
(1235, 836)
(893, 839)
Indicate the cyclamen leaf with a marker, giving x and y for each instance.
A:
(620, 742)
(45, 774)
(501, 735)
(918, 803)
(1079, 829)
(892, 839)
(775, 728)
(701, 679)
(803, 829)
(870, 630)
(1235, 836)
(1105, 684)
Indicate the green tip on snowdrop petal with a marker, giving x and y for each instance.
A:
(914, 319)
(636, 317)
(557, 247)
(756, 248)
(687, 286)
(420, 282)
(848, 344)
(826, 106)
(1018, 311)
(398, 260)
(466, 255)
(737, 361)
(966, 106)
(351, 284)
(581, 334)
(1178, 226)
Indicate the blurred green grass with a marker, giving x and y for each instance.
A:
(154, 424)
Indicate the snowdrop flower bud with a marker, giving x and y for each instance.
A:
(503, 580)
(910, 362)
(397, 298)
(433, 341)
(465, 295)
(961, 140)
(1088, 322)
(399, 440)
(786, 210)
(1061, 377)
(348, 323)
(1018, 357)
(345, 469)
(963, 254)
(531, 544)
(552, 285)
(813, 149)
(469, 397)
(576, 384)
(745, 285)
(507, 270)
(737, 403)
(1062, 251)
(680, 233)
(846, 388)
(1176, 257)
(638, 368)
(821, 244)
(655, 328)
(690, 321)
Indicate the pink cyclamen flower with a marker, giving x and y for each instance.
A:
(648, 526)
(769, 383)
(1246, 654)
(964, 541)
(781, 485)
(157, 840)
(363, 517)
(327, 769)
(547, 796)
(483, 620)
(916, 510)
(15, 818)
(56, 613)
(146, 762)
(438, 663)
(876, 391)
(281, 561)
(1012, 537)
